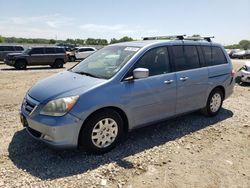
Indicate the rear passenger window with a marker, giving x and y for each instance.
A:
(60, 50)
(185, 57)
(214, 55)
(218, 57)
(1, 48)
(156, 61)
(49, 50)
(9, 48)
(19, 48)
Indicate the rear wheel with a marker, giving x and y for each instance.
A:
(101, 132)
(214, 103)
(20, 65)
(58, 64)
(72, 58)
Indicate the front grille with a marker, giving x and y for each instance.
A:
(29, 104)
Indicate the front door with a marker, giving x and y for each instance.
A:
(152, 98)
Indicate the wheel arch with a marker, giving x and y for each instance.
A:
(117, 109)
(222, 89)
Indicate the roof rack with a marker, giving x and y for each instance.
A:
(208, 39)
(179, 37)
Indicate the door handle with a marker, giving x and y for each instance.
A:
(184, 78)
(168, 81)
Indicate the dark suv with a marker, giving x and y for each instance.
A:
(53, 56)
(5, 49)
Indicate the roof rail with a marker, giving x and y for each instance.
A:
(179, 37)
(208, 39)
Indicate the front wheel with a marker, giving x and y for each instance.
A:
(101, 132)
(214, 103)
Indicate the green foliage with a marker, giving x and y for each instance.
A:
(1, 39)
(243, 44)
(123, 39)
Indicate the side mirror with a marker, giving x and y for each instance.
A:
(139, 73)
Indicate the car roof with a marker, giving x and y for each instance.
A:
(144, 43)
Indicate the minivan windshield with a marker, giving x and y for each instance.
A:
(106, 62)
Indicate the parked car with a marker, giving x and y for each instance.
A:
(83, 52)
(125, 86)
(4, 50)
(244, 73)
(243, 54)
(53, 56)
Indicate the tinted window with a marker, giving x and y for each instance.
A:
(214, 55)
(36, 51)
(49, 50)
(85, 49)
(207, 54)
(192, 58)
(218, 57)
(1, 48)
(60, 50)
(156, 61)
(19, 48)
(9, 48)
(185, 57)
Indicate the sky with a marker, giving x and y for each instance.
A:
(227, 20)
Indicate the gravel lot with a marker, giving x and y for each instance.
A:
(190, 151)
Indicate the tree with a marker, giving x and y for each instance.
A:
(123, 39)
(245, 44)
(52, 41)
(1, 39)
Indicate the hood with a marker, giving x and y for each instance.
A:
(15, 54)
(61, 84)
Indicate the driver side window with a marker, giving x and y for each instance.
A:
(156, 61)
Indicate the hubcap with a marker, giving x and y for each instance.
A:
(215, 102)
(104, 133)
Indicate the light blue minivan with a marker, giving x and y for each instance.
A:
(125, 86)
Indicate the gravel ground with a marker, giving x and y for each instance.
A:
(190, 151)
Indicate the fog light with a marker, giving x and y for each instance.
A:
(46, 137)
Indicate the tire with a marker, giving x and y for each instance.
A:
(214, 103)
(58, 64)
(21, 65)
(72, 58)
(101, 132)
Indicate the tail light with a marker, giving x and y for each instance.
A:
(233, 73)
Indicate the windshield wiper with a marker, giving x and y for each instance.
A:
(87, 74)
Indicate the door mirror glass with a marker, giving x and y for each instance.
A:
(139, 73)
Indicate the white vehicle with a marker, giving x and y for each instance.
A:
(83, 52)
(244, 72)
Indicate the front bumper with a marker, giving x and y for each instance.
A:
(59, 132)
(9, 62)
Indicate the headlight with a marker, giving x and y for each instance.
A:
(59, 107)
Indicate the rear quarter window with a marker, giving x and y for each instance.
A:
(214, 55)
(218, 56)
